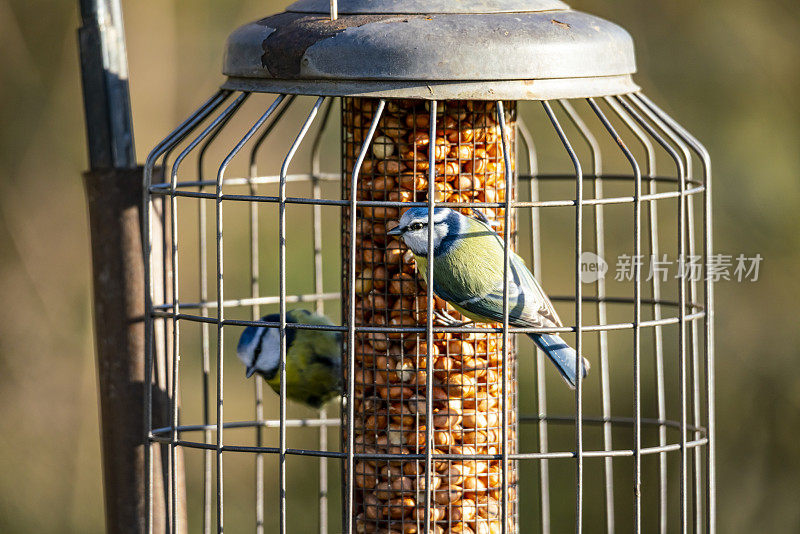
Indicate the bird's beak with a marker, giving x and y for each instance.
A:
(395, 231)
(251, 370)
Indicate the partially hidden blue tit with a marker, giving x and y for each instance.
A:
(468, 259)
(313, 357)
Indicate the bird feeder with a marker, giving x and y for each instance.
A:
(442, 104)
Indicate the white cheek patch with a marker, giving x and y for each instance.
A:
(440, 231)
(417, 240)
(270, 355)
(245, 352)
(441, 214)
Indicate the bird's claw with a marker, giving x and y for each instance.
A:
(478, 214)
(449, 321)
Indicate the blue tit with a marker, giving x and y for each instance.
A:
(468, 273)
(313, 357)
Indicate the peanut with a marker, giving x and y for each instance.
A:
(383, 147)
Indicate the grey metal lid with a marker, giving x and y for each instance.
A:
(415, 7)
(548, 51)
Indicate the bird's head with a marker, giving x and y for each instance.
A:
(259, 347)
(413, 229)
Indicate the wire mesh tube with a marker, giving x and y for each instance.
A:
(390, 397)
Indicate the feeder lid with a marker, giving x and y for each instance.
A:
(432, 49)
(415, 7)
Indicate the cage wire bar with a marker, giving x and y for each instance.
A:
(625, 116)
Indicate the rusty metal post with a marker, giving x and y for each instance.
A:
(114, 200)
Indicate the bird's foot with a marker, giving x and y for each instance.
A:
(449, 321)
(481, 216)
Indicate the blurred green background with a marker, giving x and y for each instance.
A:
(728, 70)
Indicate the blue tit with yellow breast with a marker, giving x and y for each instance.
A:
(468, 260)
(313, 357)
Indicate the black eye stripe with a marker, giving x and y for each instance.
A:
(418, 226)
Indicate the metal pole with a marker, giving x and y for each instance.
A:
(113, 197)
(104, 73)
(114, 192)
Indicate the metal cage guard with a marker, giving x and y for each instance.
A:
(615, 118)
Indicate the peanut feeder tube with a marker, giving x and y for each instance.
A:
(390, 395)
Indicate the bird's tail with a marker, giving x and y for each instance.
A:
(562, 355)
